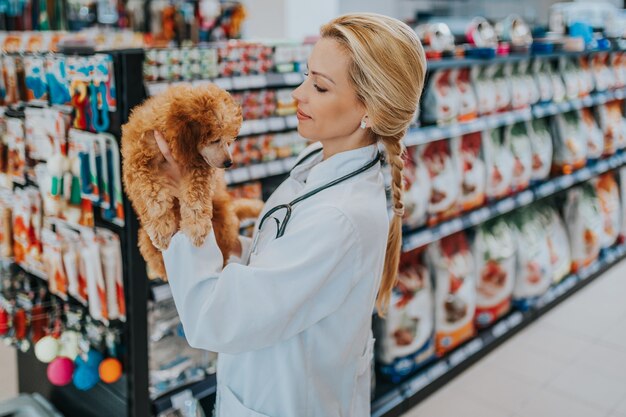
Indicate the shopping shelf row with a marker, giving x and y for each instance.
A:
(415, 136)
(421, 135)
(426, 235)
(404, 395)
(237, 83)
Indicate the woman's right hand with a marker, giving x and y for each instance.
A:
(169, 168)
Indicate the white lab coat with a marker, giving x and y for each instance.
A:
(292, 318)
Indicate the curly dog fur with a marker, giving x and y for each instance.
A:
(198, 124)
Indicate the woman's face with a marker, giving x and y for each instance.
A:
(327, 103)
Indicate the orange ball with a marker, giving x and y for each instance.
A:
(110, 370)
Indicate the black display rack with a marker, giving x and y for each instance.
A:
(130, 397)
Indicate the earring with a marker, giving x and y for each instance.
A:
(363, 123)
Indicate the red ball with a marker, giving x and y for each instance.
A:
(60, 371)
(110, 370)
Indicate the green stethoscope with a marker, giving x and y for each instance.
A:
(289, 206)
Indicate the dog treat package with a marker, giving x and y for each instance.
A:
(441, 159)
(526, 72)
(583, 217)
(602, 75)
(542, 79)
(585, 75)
(485, 88)
(6, 220)
(608, 196)
(452, 265)
(521, 92)
(534, 267)
(468, 109)
(441, 99)
(570, 144)
(472, 169)
(495, 255)
(15, 142)
(500, 163)
(405, 337)
(417, 189)
(541, 144)
(593, 134)
(522, 151)
(558, 242)
(570, 78)
(618, 64)
(53, 263)
(611, 123)
(503, 86)
(558, 87)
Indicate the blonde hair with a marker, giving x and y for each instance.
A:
(387, 70)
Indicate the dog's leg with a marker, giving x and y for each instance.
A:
(247, 208)
(152, 256)
(196, 204)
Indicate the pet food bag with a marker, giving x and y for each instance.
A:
(521, 149)
(441, 99)
(485, 89)
(523, 92)
(542, 79)
(570, 78)
(570, 144)
(558, 242)
(585, 76)
(583, 217)
(503, 84)
(452, 265)
(541, 145)
(468, 109)
(499, 161)
(622, 193)
(405, 337)
(417, 189)
(608, 196)
(593, 134)
(441, 160)
(612, 126)
(495, 255)
(534, 267)
(558, 86)
(472, 169)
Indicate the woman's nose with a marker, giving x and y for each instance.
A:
(298, 94)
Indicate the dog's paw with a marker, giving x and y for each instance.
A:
(197, 235)
(159, 240)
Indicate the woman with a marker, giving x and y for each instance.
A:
(291, 317)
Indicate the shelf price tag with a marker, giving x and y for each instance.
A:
(239, 175)
(419, 383)
(438, 370)
(258, 171)
(505, 205)
(546, 189)
(246, 128)
(293, 78)
(179, 399)
(419, 239)
(240, 83)
(156, 88)
(275, 167)
(257, 81)
(525, 198)
(276, 123)
(515, 319)
(474, 346)
(499, 329)
(291, 121)
(225, 83)
(457, 357)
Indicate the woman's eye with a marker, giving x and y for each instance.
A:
(306, 73)
(318, 88)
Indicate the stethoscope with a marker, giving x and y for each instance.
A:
(289, 206)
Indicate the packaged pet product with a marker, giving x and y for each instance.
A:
(534, 267)
(454, 273)
(468, 109)
(608, 195)
(622, 193)
(406, 336)
(482, 79)
(593, 134)
(618, 64)
(558, 242)
(541, 145)
(53, 263)
(495, 255)
(525, 70)
(499, 162)
(542, 79)
(6, 229)
(441, 99)
(612, 125)
(504, 84)
(602, 75)
(521, 148)
(585, 75)
(570, 145)
(570, 78)
(520, 91)
(417, 189)
(583, 217)
(441, 160)
(558, 87)
(472, 169)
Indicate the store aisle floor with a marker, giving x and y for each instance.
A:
(570, 362)
(8, 372)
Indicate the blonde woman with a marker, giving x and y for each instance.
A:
(291, 316)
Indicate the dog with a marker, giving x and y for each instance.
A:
(199, 124)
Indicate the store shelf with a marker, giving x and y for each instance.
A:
(427, 134)
(175, 399)
(258, 171)
(426, 235)
(269, 125)
(447, 63)
(237, 83)
(401, 397)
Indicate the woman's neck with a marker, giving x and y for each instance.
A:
(359, 139)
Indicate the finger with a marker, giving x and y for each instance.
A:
(164, 148)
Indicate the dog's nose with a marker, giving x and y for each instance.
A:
(228, 163)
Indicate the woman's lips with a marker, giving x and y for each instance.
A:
(302, 116)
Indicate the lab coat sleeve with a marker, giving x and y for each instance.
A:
(246, 244)
(293, 283)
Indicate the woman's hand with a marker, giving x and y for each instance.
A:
(169, 167)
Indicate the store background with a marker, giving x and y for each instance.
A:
(571, 360)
